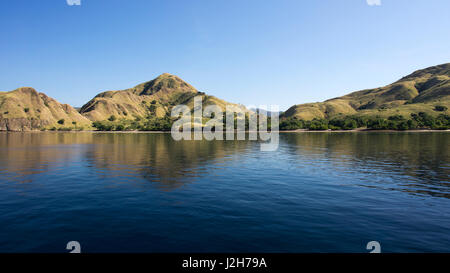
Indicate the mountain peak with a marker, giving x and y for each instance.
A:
(166, 83)
(165, 75)
(26, 90)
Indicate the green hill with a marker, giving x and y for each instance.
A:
(420, 91)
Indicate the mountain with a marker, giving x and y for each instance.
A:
(420, 91)
(265, 112)
(25, 109)
(154, 98)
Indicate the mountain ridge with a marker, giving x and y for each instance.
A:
(25, 109)
(420, 90)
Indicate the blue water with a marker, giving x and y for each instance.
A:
(144, 192)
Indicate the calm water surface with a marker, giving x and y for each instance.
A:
(320, 192)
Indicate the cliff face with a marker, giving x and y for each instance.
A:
(22, 124)
(24, 109)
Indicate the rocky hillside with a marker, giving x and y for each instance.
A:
(153, 98)
(25, 109)
(421, 91)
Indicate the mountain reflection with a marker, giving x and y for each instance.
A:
(158, 158)
(153, 156)
(417, 163)
(423, 157)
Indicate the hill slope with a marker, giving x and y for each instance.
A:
(153, 98)
(420, 91)
(25, 109)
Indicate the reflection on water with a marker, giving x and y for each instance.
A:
(422, 157)
(155, 157)
(380, 159)
(324, 192)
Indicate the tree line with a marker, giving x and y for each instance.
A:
(421, 120)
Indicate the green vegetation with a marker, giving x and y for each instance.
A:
(440, 108)
(397, 122)
(112, 118)
(61, 121)
(26, 110)
(64, 129)
(138, 124)
(415, 121)
(152, 123)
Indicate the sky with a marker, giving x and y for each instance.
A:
(252, 52)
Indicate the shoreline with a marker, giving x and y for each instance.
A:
(285, 131)
(363, 131)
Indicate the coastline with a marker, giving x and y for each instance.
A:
(285, 131)
(363, 131)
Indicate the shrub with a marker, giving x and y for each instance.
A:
(26, 110)
(61, 121)
(102, 126)
(440, 108)
(156, 124)
(350, 124)
(318, 125)
(291, 124)
(412, 124)
(396, 118)
(152, 109)
(112, 118)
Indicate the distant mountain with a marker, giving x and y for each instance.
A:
(420, 91)
(264, 111)
(153, 98)
(25, 109)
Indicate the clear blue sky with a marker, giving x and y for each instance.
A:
(281, 52)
